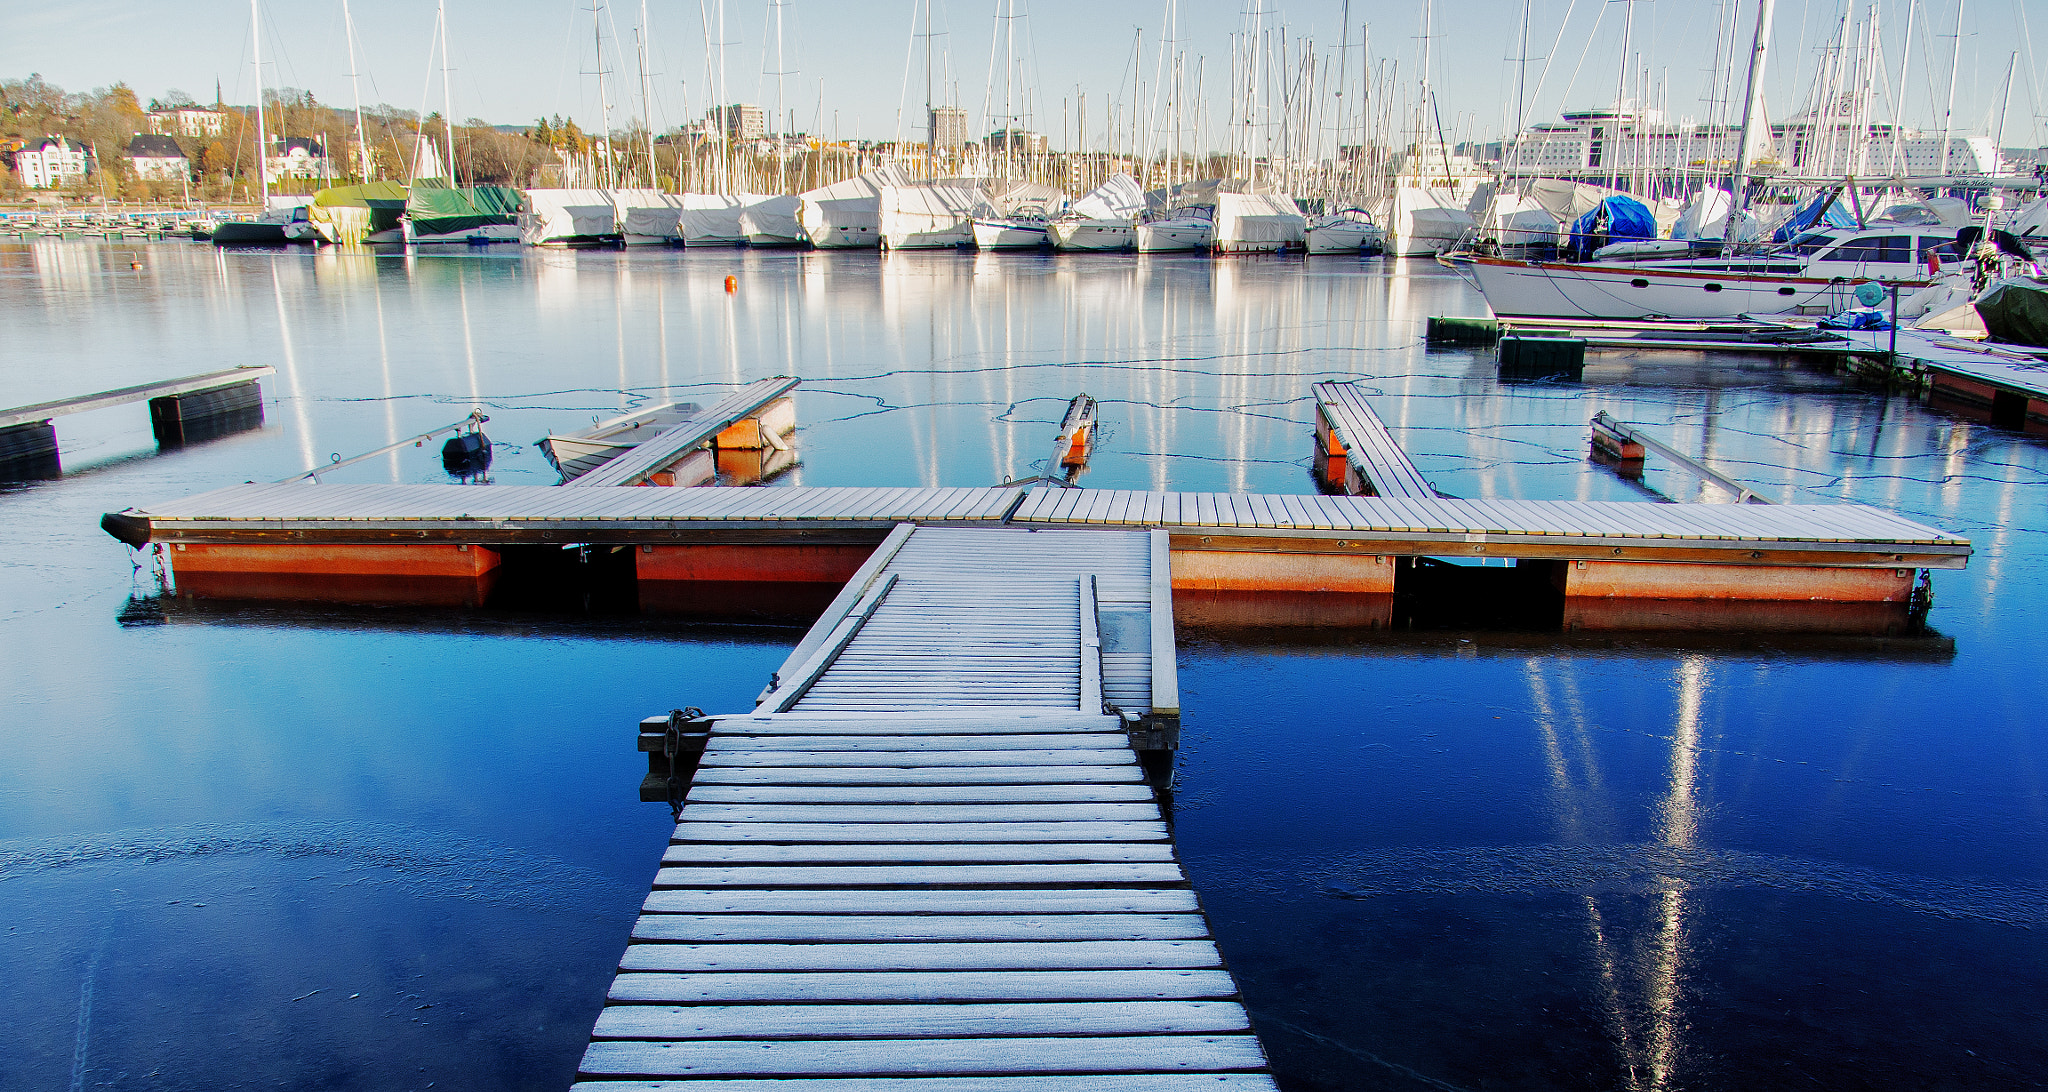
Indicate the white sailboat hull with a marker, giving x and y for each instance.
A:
(1163, 236)
(1345, 237)
(1561, 290)
(939, 239)
(1094, 235)
(1008, 235)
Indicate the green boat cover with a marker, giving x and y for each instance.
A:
(347, 213)
(436, 209)
(2016, 311)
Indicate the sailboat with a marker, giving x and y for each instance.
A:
(1018, 218)
(1346, 231)
(280, 223)
(1106, 218)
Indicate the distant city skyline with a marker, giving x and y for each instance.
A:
(517, 60)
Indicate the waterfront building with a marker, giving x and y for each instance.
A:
(51, 162)
(1016, 142)
(298, 157)
(158, 158)
(190, 121)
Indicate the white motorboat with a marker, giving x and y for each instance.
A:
(847, 215)
(1184, 229)
(1011, 234)
(1346, 231)
(1081, 233)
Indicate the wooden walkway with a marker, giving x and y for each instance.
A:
(928, 861)
(195, 384)
(1355, 452)
(299, 513)
(644, 460)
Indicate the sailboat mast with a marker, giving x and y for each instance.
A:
(1948, 115)
(1899, 105)
(781, 160)
(447, 93)
(348, 28)
(262, 139)
(604, 105)
(1752, 103)
(931, 120)
(647, 100)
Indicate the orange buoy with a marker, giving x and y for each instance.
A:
(732, 284)
(135, 265)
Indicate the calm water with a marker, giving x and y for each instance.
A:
(385, 849)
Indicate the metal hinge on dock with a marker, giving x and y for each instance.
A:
(674, 743)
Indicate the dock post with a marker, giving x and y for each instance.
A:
(179, 419)
(674, 743)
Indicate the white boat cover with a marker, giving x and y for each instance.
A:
(552, 215)
(715, 219)
(926, 209)
(1026, 199)
(1257, 221)
(649, 213)
(2032, 219)
(772, 217)
(1120, 198)
(1950, 212)
(853, 202)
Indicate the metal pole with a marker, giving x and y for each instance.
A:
(1752, 101)
(475, 420)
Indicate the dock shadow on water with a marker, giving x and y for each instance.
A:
(1465, 835)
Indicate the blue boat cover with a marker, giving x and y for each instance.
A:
(1838, 215)
(1612, 220)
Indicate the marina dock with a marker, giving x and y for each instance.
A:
(1318, 560)
(1355, 454)
(187, 410)
(930, 851)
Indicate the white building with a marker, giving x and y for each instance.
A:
(51, 162)
(188, 122)
(947, 126)
(1590, 145)
(298, 157)
(740, 121)
(158, 158)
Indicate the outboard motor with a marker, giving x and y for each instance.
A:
(467, 455)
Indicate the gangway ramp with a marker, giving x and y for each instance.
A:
(869, 888)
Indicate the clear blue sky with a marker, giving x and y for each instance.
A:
(515, 60)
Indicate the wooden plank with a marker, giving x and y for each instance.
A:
(1099, 741)
(658, 451)
(906, 853)
(691, 830)
(963, 902)
(1165, 669)
(953, 875)
(915, 794)
(966, 955)
(810, 928)
(902, 1057)
(930, 986)
(674, 1022)
(1090, 647)
(941, 775)
(1076, 757)
(1099, 1082)
(792, 690)
(842, 604)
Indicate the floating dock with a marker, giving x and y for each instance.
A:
(1355, 454)
(188, 410)
(1279, 559)
(753, 418)
(929, 860)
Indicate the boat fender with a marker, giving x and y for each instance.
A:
(467, 455)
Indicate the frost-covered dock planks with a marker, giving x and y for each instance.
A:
(1220, 542)
(959, 886)
(1355, 454)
